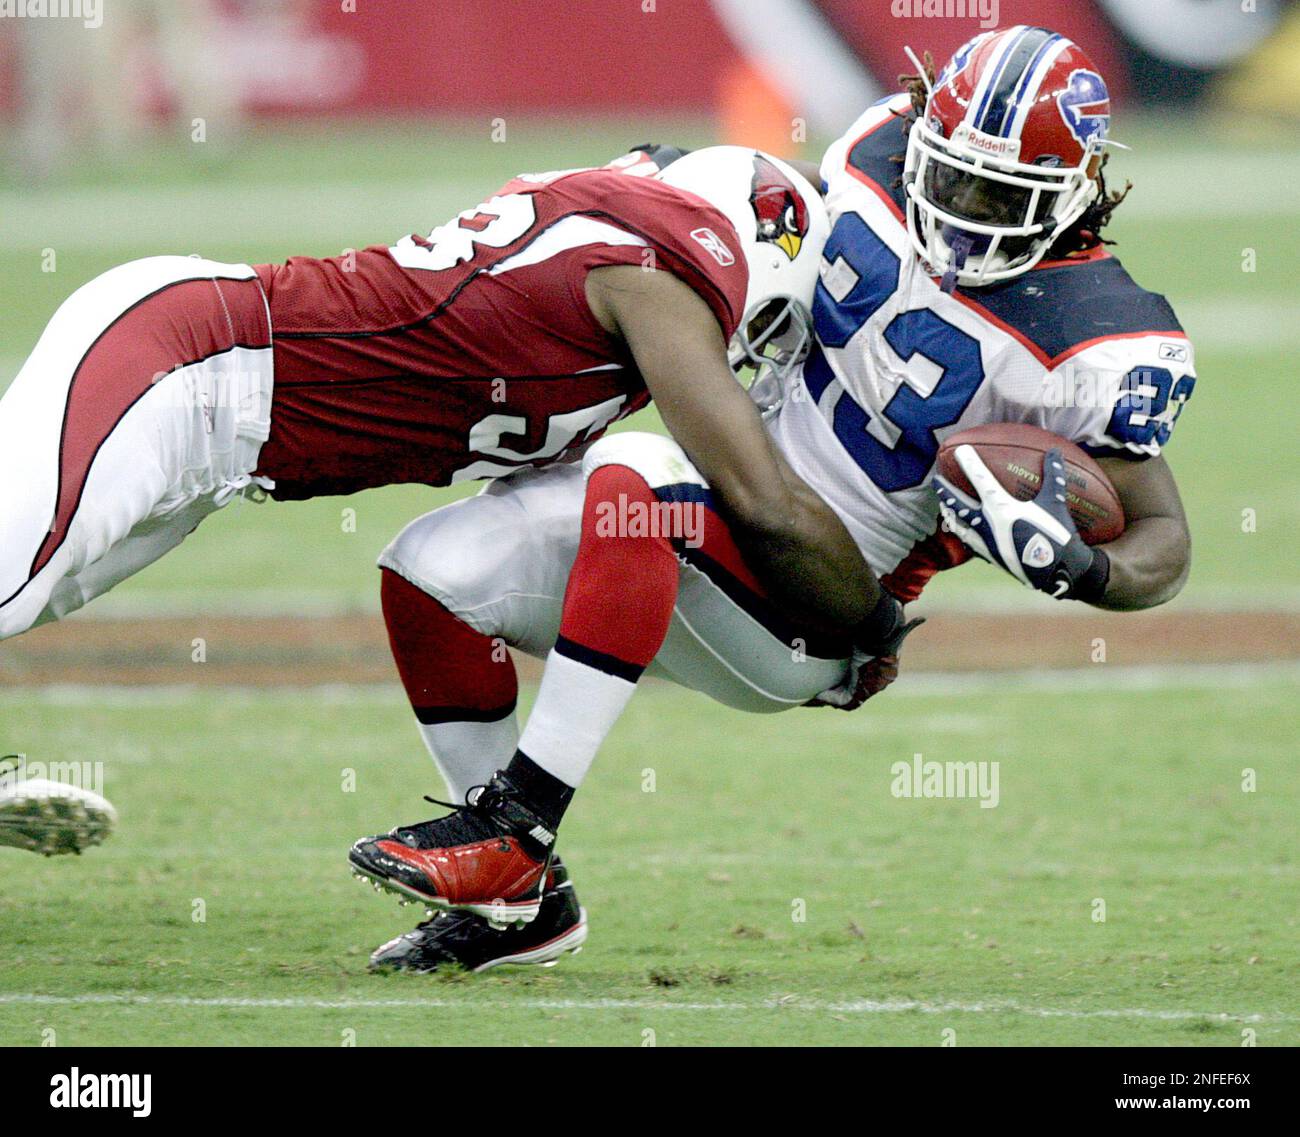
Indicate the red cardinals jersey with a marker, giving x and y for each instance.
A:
(472, 352)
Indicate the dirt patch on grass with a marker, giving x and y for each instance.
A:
(288, 651)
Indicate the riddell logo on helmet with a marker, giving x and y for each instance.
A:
(988, 144)
(714, 246)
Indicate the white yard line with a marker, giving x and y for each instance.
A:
(1101, 677)
(693, 863)
(135, 221)
(176, 218)
(780, 1003)
(1239, 320)
(1232, 321)
(1263, 186)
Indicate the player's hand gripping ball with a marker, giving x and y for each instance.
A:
(1026, 522)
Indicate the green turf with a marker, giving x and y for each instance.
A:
(1132, 798)
(316, 190)
(237, 800)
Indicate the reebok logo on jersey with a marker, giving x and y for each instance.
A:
(1038, 552)
(714, 246)
(1174, 352)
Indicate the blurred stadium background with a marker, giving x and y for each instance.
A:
(252, 130)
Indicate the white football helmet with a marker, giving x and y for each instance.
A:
(782, 226)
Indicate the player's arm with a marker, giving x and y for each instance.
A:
(791, 538)
(1150, 560)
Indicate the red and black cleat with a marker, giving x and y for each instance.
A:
(456, 940)
(489, 857)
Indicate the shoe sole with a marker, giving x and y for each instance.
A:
(549, 953)
(53, 818)
(500, 914)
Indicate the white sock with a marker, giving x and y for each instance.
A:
(469, 753)
(577, 706)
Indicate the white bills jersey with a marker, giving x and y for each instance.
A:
(1073, 346)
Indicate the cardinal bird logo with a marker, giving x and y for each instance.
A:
(781, 210)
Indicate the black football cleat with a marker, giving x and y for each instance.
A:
(463, 940)
(489, 857)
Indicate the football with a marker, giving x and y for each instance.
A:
(1013, 452)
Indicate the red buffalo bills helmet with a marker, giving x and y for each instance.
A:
(781, 224)
(1004, 158)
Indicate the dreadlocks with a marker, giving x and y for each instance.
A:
(1085, 233)
(918, 86)
(1081, 236)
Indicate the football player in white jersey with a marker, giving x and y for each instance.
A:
(965, 282)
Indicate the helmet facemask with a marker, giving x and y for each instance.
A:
(979, 218)
(773, 338)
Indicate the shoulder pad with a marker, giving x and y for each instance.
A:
(1061, 308)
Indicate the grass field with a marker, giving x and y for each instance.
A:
(921, 916)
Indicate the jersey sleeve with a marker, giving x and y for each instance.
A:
(679, 233)
(1122, 397)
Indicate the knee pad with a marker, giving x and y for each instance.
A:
(655, 457)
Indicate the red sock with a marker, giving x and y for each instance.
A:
(617, 608)
(451, 672)
(623, 584)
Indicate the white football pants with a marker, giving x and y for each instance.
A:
(501, 560)
(140, 411)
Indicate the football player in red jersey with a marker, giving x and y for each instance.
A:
(510, 337)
